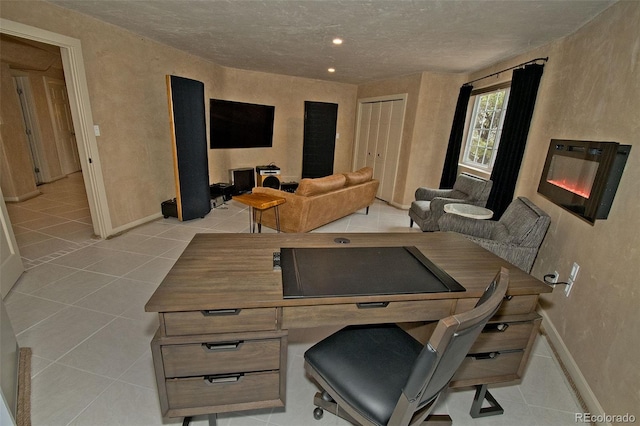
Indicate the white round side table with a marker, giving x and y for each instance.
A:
(468, 210)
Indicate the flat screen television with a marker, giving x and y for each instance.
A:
(240, 125)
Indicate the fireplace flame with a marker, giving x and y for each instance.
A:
(571, 187)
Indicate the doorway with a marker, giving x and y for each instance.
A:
(81, 115)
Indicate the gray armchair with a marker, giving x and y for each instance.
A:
(516, 237)
(429, 203)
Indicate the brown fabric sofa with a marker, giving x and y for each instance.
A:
(319, 201)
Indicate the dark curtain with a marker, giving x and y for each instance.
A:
(522, 99)
(450, 170)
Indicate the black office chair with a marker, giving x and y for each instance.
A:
(380, 375)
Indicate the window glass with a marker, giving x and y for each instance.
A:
(484, 129)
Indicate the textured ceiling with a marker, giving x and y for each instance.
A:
(382, 38)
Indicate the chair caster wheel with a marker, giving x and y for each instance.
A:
(318, 413)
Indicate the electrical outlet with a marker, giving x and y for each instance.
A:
(567, 288)
(556, 277)
(574, 271)
(572, 278)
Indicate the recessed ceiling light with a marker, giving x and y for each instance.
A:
(331, 70)
(337, 40)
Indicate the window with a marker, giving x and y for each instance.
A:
(485, 128)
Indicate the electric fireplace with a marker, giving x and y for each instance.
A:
(582, 176)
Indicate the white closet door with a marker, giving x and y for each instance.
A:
(379, 135)
(392, 151)
(372, 140)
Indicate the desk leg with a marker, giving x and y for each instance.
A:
(482, 394)
(213, 418)
(252, 222)
(277, 212)
(260, 223)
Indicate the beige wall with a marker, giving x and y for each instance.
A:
(590, 90)
(431, 100)
(288, 95)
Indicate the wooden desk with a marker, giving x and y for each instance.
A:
(260, 202)
(222, 341)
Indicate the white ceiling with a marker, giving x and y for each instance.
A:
(382, 38)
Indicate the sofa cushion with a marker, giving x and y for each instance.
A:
(309, 187)
(359, 176)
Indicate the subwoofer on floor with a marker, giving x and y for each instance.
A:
(268, 176)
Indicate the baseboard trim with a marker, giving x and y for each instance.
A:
(119, 230)
(23, 197)
(583, 391)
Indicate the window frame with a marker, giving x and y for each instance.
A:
(474, 101)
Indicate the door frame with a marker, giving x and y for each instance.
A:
(78, 92)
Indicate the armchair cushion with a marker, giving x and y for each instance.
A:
(429, 204)
(516, 237)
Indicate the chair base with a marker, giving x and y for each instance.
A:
(324, 402)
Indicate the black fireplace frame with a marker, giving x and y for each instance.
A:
(610, 157)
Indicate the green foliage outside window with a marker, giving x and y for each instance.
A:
(485, 130)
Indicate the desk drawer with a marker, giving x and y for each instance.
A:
(352, 314)
(219, 321)
(503, 337)
(486, 368)
(220, 357)
(215, 391)
(517, 305)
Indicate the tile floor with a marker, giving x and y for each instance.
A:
(80, 306)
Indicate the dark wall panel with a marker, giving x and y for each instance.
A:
(320, 120)
(190, 150)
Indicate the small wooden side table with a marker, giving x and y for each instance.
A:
(260, 202)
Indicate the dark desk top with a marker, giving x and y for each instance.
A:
(229, 271)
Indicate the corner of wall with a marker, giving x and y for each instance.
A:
(569, 366)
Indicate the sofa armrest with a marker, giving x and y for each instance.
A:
(293, 213)
(466, 225)
(427, 194)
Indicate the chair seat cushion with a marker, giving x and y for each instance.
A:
(421, 209)
(353, 360)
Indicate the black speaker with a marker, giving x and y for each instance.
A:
(188, 131)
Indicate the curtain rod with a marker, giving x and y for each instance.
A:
(507, 69)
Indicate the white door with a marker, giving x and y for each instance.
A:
(378, 140)
(62, 125)
(10, 263)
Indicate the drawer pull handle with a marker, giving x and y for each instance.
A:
(220, 347)
(214, 380)
(220, 312)
(496, 328)
(370, 305)
(486, 355)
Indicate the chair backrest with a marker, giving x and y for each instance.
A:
(525, 223)
(446, 349)
(472, 189)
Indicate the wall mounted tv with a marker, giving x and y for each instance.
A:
(240, 125)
